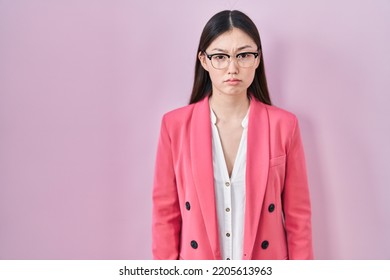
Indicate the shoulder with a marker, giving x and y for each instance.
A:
(278, 118)
(178, 116)
(278, 114)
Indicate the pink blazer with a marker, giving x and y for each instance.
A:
(277, 214)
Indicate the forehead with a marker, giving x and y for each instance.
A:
(232, 40)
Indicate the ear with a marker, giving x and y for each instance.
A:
(258, 60)
(202, 58)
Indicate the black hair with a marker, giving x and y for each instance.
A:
(217, 25)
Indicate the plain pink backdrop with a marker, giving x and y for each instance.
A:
(83, 86)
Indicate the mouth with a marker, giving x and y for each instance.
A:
(232, 81)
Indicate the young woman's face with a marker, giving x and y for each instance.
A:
(237, 75)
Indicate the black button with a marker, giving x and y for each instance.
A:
(194, 244)
(271, 208)
(264, 244)
(188, 206)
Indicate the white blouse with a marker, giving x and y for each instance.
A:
(230, 193)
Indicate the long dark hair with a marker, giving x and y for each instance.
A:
(218, 24)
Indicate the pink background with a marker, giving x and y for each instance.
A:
(83, 86)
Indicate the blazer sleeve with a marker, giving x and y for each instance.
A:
(166, 217)
(296, 201)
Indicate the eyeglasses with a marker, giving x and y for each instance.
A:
(221, 60)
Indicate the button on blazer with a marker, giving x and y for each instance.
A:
(277, 211)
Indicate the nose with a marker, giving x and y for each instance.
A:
(233, 65)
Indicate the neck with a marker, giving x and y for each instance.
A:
(228, 107)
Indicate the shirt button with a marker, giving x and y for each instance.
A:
(228, 234)
(227, 209)
(227, 184)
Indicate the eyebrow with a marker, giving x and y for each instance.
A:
(239, 49)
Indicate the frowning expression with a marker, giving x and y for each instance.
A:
(231, 61)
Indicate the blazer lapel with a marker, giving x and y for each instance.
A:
(202, 168)
(256, 172)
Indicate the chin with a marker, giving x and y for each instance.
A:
(231, 91)
(236, 92)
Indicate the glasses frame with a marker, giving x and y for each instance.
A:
(210, 56)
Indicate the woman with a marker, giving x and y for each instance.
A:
(230, 177)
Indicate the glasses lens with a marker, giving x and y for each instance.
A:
(220, 61)
(246, 59)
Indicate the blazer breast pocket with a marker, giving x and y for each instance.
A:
(276, 161)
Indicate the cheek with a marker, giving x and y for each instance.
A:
(215, 76)
(250, 75)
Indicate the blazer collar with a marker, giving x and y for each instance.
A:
(256, 171)
(257, 165)
(202, 170)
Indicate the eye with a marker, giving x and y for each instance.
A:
(244, 55)
(220, 57)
